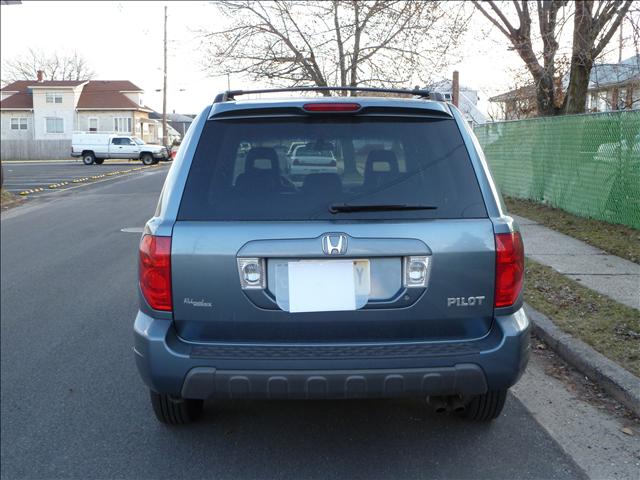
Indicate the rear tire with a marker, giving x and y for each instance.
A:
(99, 161)
(88, 158)
(486, 407)
(147, 159)
(174, 410)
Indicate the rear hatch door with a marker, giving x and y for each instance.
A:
(403, 191)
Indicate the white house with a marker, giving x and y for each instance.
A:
(467, 103)
(39, 117)
(612, 86)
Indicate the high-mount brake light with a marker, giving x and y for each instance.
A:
(155, 271)
(331, 107)
(509, 268)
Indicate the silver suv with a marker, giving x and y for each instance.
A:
(395, 273)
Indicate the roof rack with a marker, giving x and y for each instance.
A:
(422, 93)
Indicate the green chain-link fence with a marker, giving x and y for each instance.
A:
(588, 165)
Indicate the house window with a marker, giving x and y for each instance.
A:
(18, 123)
(93, 124)
(54, 97)
(602, 102)
(122, 124)
(622, 99)
(54, 125)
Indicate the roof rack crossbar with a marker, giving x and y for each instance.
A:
(423, 93)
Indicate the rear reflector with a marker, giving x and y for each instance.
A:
(155, 271)
(331, 107)
(509, 268)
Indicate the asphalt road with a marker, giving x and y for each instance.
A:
(73, 406)
(19, 176)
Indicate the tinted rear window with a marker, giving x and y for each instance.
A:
(295, 169)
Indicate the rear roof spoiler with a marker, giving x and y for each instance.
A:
(421, 93)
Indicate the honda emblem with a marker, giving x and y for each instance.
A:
(334, 244)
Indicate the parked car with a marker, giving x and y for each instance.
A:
(96, 147)
(307, 159)
(293, 146)
(620, 152)
(402, 278)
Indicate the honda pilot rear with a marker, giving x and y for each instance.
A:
(334, 247)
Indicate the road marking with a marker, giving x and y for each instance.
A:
(132, 230)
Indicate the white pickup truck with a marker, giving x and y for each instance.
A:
(96, 147)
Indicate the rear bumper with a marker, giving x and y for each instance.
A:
(170, 365)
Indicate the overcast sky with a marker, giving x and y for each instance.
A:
(123, 41)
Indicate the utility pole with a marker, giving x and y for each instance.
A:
(455, 88)
(620, 42)
(164, 88)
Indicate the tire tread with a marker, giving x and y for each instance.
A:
(486, 407)
(175, 411)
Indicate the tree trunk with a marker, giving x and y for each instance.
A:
(575, 100)
(545, 95)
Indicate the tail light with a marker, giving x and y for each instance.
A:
(155, 271)
(332, 163)
(331, 107)
(509, 268)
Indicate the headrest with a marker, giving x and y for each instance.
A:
(381, 156)
(261, 153)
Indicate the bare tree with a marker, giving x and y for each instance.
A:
(592, 31)
(54, 66)
(345, 43)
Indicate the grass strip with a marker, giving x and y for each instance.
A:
(8, 200)
(609, 327)
(616, 239)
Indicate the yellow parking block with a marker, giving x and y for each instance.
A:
(31, 190)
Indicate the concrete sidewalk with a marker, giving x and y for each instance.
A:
(607, 274)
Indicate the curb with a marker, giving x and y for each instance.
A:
(611, 377)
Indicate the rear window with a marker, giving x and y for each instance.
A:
(296, 169)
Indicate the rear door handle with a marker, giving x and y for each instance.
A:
(312, 248)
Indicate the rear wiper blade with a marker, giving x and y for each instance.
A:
(378, 207)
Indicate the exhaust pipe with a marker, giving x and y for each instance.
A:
(456, 405)
(438, 404)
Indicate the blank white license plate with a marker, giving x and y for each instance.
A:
(328, 285)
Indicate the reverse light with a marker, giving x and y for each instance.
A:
(509, 268)
(416, 272)
(155, 271)
(252, 273)
(331, 107)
